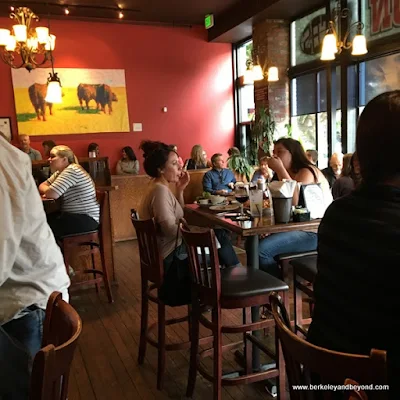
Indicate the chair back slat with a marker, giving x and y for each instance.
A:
(204, 263)
(52, 364)
(151, 263)
(303, 359)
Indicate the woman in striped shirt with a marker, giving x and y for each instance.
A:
(80, 211)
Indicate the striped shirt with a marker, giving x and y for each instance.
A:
(78, 191)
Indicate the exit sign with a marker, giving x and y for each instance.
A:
(209, 21)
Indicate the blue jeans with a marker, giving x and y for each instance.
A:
(285, 242)
(20, 340)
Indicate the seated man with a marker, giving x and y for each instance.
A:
(25, 146)
(357, 300)
(31, 268)
(312, 156)
(335, 168)
(219, 180)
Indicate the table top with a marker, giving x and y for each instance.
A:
(257, 226)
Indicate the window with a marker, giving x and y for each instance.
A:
(245, 91)
(245, 94)
(308, 114)
(378, 76)
(306, 37)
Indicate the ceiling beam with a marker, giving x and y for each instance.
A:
(236, 15)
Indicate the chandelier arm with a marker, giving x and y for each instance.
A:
(9, 58)
(359, 26)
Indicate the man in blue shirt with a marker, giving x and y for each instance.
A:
(219, 180)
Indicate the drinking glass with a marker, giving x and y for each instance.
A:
(241, 196)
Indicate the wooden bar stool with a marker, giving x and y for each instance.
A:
(230, 288)
(152, 275)
(85, 244)
(52, 364)
(304, 272)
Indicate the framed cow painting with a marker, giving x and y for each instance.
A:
(94, 100)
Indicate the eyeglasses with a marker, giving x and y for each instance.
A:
(51, 156)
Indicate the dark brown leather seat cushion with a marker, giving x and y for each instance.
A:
(244, 282)
(306, 267)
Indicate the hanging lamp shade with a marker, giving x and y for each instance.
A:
(359, 46)
(273, 75)
(248, 76)
(329, 47)
(54, 91)
(257, 73)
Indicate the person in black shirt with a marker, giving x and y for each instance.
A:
(357, 301)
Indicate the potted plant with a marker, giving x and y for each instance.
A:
(261, 134)
(239, 164)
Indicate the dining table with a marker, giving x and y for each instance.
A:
(250, 228)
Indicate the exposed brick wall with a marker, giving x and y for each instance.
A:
(271, 39)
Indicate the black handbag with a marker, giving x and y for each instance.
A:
(176, 287)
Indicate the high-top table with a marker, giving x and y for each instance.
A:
(203, 216)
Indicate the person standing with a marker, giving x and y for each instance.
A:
(25, 146)
(31, 268)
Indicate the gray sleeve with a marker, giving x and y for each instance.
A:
(163, 206)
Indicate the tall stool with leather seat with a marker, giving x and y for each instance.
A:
(85, 244)
(229, 288)
(304, 272)
(152, 274)
(52, 363)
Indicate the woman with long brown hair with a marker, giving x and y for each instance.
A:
(289, 161)
(196, 160)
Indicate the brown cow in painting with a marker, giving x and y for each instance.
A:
(104, 96)
(37, 94)
(86, 93)
(100, 93)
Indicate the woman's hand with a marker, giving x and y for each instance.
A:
(275, 163)
(183, 181)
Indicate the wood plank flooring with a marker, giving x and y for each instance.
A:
(105, 364)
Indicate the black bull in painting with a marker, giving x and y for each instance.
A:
(101, 94)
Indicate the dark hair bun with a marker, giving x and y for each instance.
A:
(155, 156)
(148, 146)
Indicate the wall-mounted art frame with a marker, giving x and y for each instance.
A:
(5, 127)
(94, 100)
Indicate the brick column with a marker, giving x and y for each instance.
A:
(271, 39)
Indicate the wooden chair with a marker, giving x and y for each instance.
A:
(304, 273)
(89, 243)
(51, 365)
(331, 367)
(152, 275)
(354, 394)
(234, 287)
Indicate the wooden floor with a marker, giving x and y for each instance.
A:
(105, 364)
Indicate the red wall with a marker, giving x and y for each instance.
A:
(172, 67)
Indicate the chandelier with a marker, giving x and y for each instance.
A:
(332, 43)
(26, 47)
(254, 71)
